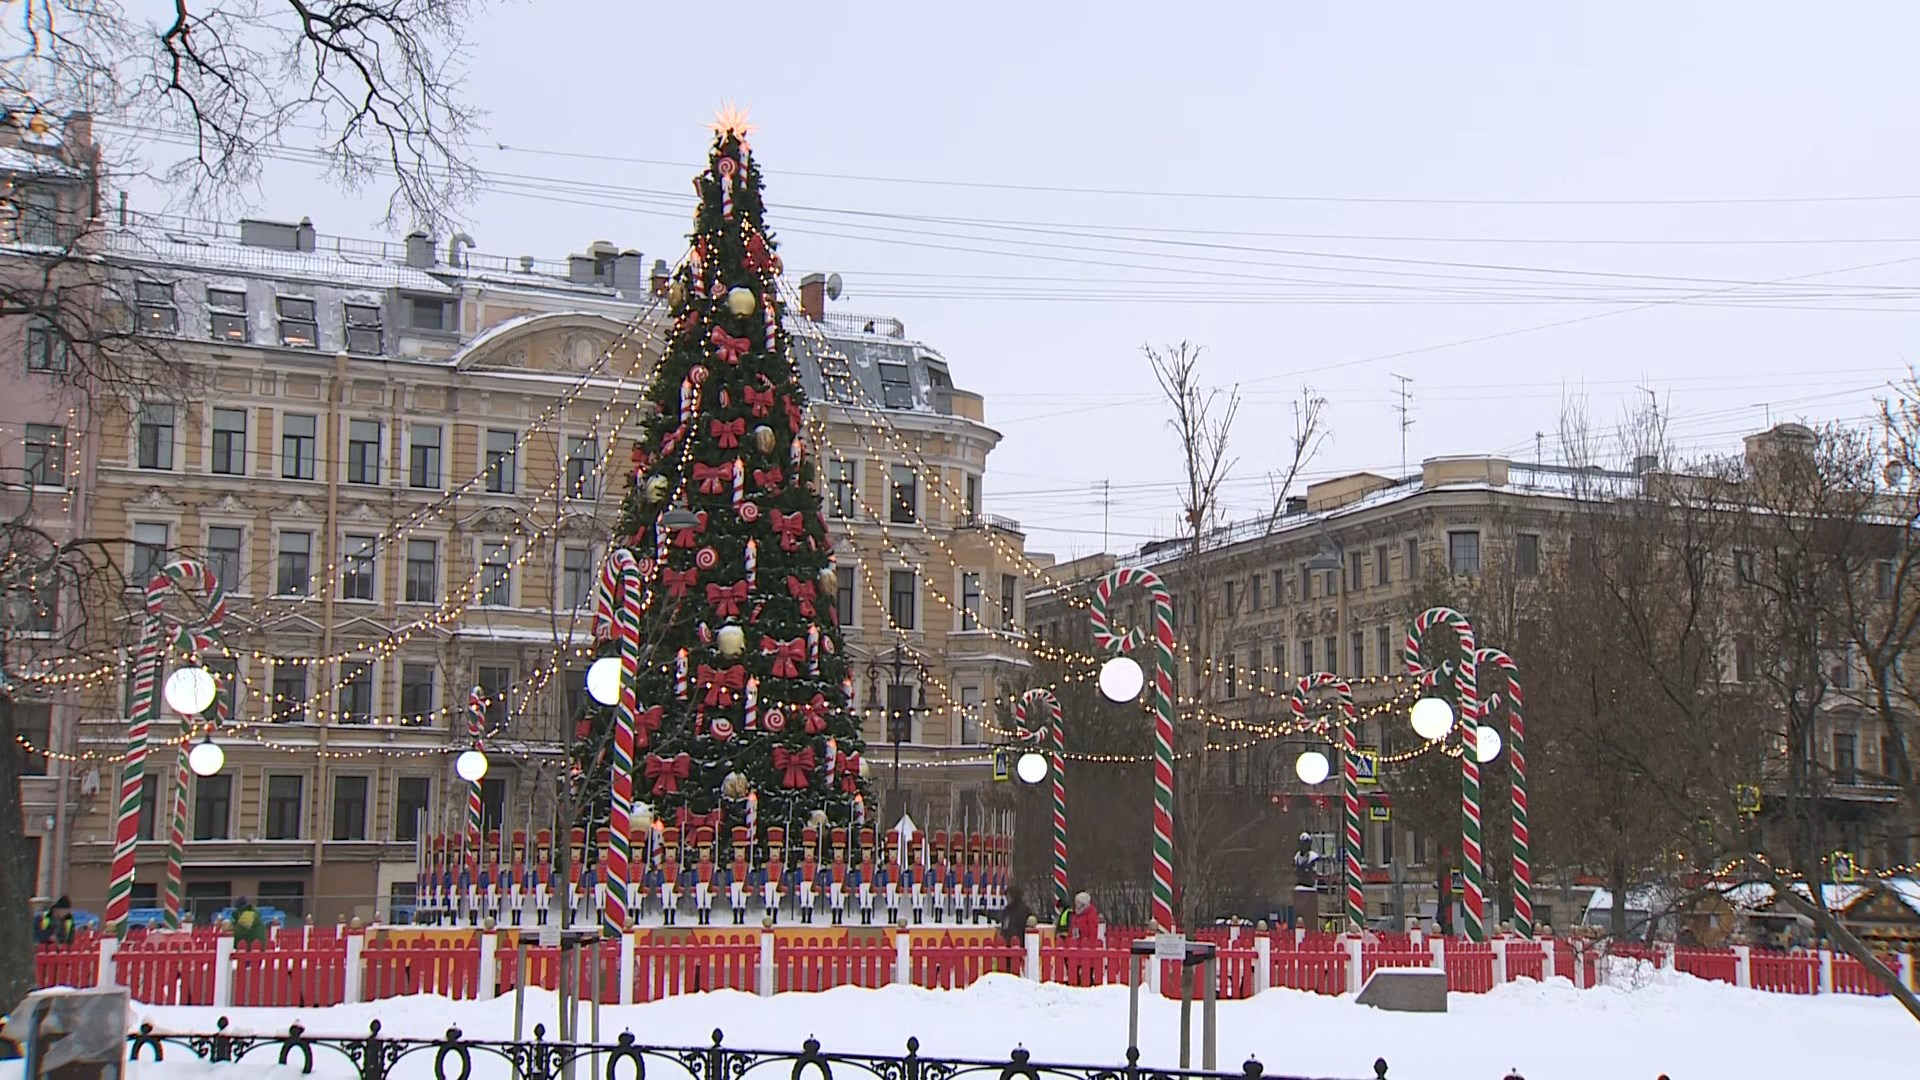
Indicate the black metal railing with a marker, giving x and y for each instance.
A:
(456, 1057)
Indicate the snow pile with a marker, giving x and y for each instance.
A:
(1662, 1022)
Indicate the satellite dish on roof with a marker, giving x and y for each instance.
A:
(833, 286)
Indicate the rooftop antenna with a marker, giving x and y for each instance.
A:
(1539, 443)
(1105, 488)
(1406, 418)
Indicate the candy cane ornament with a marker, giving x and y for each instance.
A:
(476, 727)
(1356, 898)
(616, 618)
(1037, 699)
(1162, 636)
(1473, 862)
(1517, 775)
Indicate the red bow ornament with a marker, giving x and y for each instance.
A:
(793, 766)
(768, 479)
(723, 685)
(787, 656)
(726, 599)
(803, 591)
(666, 773)
(849, 770)
(727, 347)
(690, 536)
(677, 581)
(712, 479)
(795, 418)
(728, 432)
(815, 715)
(760, 400)
(645, 723)
(759, 258)
(691, 823)
(789, 527)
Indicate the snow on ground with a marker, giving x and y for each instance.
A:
(1657, 1023)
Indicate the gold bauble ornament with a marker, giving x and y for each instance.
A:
(677, 295)
(763, 438)
(819, 817)
(734, 786)
(657, 488)
(741, 301)
(829, 581)
(731, 641)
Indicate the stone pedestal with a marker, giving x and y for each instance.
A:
(1306, 908)
(72, 1034)
(1406, 990)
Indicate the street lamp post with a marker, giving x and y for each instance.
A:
(899, 720)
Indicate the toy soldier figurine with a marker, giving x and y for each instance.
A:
(542, 875)
(809, 873)
(703, 885)
(737, 876)
(837, 877)
(970, 881)
(919, 883)
(772, 876)
(937, 882)
(957, 844)
(669, 875)
(894, 882)
(576, 865)
(865, 874)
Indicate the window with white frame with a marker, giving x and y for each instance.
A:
(229, 442)
(583, 459)
(227, 315)
(298, 327)
(293, 574)
(363, 330)
(46, 346)
(903, 588)
(423, 456)
(576, 577)
(358, 568)
(423, 571)
(1463, 553)
(496, 573)
(502, 456)
(226, 557)
(840, 489)
(156, 436)
(150, 542)
(845, 606)
(970, 601)
(903, 498)
(299, 445)
(417, 697)
(356, 694)
(155, 311)
(46, 455)
(363, 451)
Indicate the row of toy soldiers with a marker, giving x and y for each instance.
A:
(938, 877)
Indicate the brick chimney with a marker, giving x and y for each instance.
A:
(813, 297)
(661, 275)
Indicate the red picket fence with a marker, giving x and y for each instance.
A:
(1526, 960)
(168, 970)
(951, 965)
(1083, 963)
(1786, 973)
(1372, 959)
(76, 965)
(811, 963)
(1713, 965)
(1850, 976)
(663, 968)
(543, 970)
(1469, 967)
(423, 966)
(1319, 972)
(315, 975)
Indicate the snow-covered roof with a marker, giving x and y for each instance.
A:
(181, 252)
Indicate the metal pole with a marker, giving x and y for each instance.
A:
(1133, 1002)
(599, 991)
(519, 986)
(1208, 1034)
(1186, 1014)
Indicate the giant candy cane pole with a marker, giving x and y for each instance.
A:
(1472, 860)
(1517, 774)
(1038, 699)
(616, 617)
(157, 633)
(476, 727)
(1350, 780)
(1162, 676)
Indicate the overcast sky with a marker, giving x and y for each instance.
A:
(1508, 202)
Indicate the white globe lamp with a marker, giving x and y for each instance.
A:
(206, 757)
(189, 690)
(1486, 743)
(1311, 767)
(603, 680)
(1031, 768)
(471, 765)
(1432, 718)
(1121, 679)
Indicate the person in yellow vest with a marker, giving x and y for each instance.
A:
(248, 927)
(55, 925)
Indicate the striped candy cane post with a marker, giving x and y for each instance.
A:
(476, 727)
(1350, 779)
(1517, 774)
(616, 617)
(192, 639)
(1473, 860)
(1038, 699)
(1162, 674)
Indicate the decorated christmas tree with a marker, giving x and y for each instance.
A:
(741, 712)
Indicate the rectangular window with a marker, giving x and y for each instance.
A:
(1463, 554)
(1846, 762)
(416, 693)
(224, 556)
(496, 573)
(1383, 649)
(1253, 593)
(226, 686)
(1231, 598)
(972, 730)
(294, 573)
(840, 489)
(34, 725)
(1256, 676)
(284, 796)
(46, 455)
(297, 325)
(1357, 647)
(1355, 579)
(583, 457)
(1743, 658)
(496, 686)
(412, 796)
(289, 896)
(39, 222)
(969, 601)
(1233, 677)
(576, 577)
(1306, 582)
(229, 442)
(904, 507)
(1526, 554)
(1009, 601)
(902, 587)
(1411, 559)
(363, 451)
(896, 386)
(298, 446)
(1883, 578)
(1279, 588)
(423, 571)
(212, 806)
(227, 315)
(424, 313)
(844, 604)
(493, 803)
(1330, 653)
(349, 808)
(357, 570)
(46, 346)
(356, 695)
(31, 605)
(1382, 575)
(156, 436)
(156, 313)
(502, 462)
(973, 499)
(150, 807)
(1306, 657)
(289, 693)
(1843, 669)
(150, 542)
(363, 330)
(423, 456)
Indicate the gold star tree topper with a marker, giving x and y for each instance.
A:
(731, 120)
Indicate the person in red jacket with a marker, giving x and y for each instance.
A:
(1086, 919)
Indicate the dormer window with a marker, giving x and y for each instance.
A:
(298, 327)
(363, 330)
(429, 313)
(156, 311)
(227, 314)
(896, 386)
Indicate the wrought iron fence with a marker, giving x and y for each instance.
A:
(456, 1057)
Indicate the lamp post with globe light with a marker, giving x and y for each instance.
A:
(899, 711)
